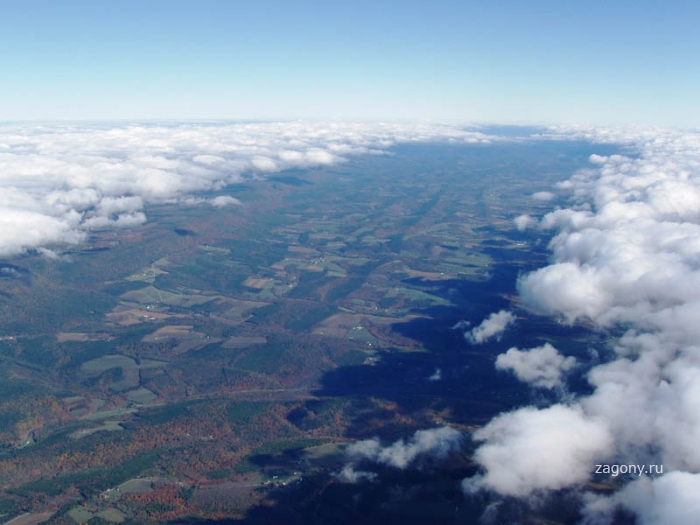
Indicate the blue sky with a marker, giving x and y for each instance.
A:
(592, 62)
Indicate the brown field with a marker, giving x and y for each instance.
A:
(256, 282)
(65, 337)
(126, 316)
(338, 325)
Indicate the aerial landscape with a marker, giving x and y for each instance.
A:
(396, 310)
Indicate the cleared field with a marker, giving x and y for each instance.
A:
(360, 333)
(66, 337)
(151, 363)
(136, 486)
(108, 426)
(30, 518)
(214, 249)
(194, 342)
(106, 362)
(238, 311)
(124, 319)
(153, 295)
(126, 316)
(170, 332)
(112, 515)
(142, 396)
(338, 325)
(236, 495)
(416, 296)
(73, 399)
(317, 264)
(256, 282)
(303, 250)
(326, 456)
(427, 276)
(148, 275)
(80, 515)
(117, 412)
(328, 265)
(100, 364)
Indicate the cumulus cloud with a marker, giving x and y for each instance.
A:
(58, 182)
(350, 475)
(625, 257)
(530, 450)
(224, 200)
(218, 202)
(435, 442)
(542, 366)
(493, 326)
(461, 325)
(436, 376)
(672, 498)
(525, 221)
(543, 196)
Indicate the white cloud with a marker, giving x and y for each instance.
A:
(493, 326)
(672, 498)
(224, 200)
(435, 442)
(350, 475)
(58, 181)
(523, 222)
(542, 366)
(124, 220)
(530, 450)
(21, 230)
(461, 325)
(436, 376)
(625, 257)
(543, 196)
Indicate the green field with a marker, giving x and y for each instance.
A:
(136, 486)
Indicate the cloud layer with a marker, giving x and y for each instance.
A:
(626, 255)
(58, 182)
